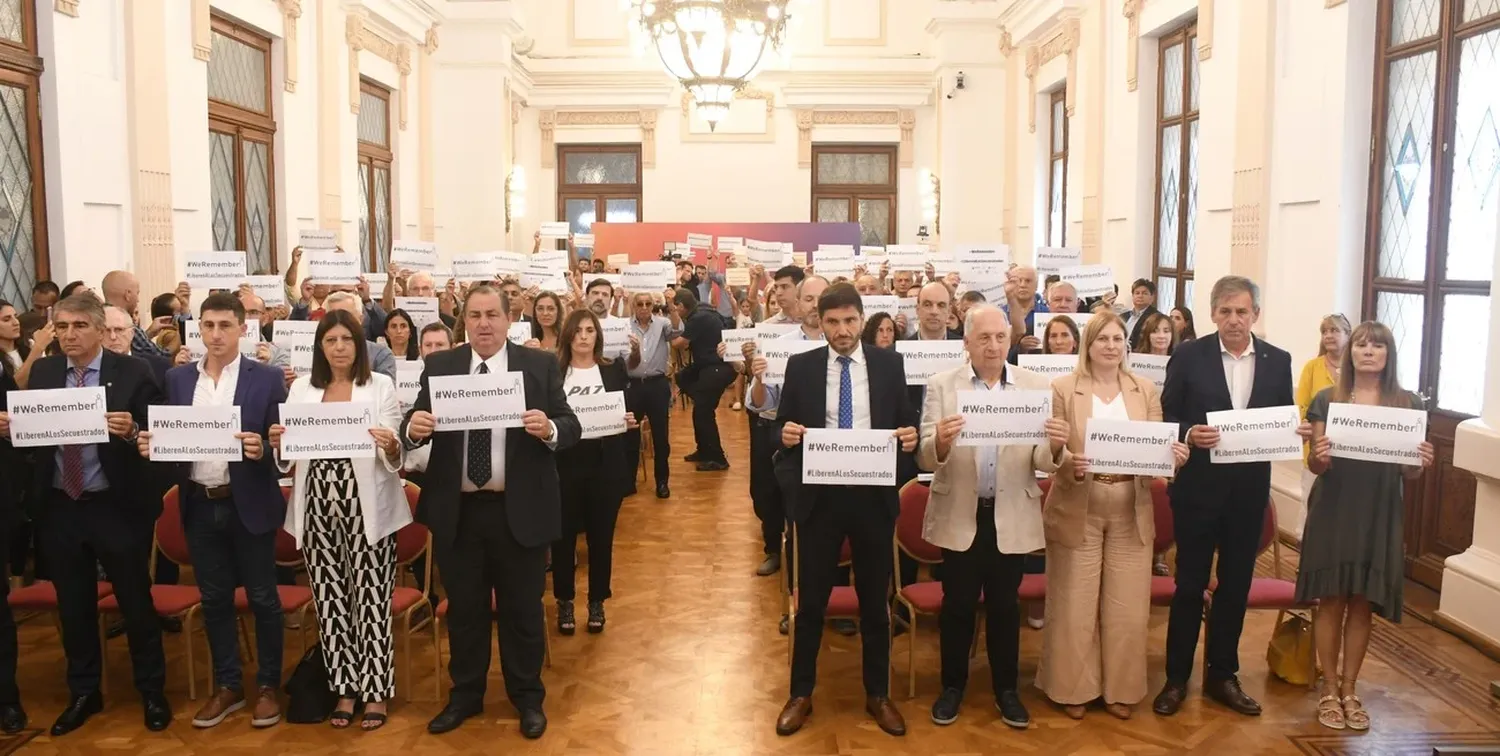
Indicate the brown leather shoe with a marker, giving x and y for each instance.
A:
(221, 704)
(1169, 700)
(885, 714)
(794, 715)
(267, 710)
(1228, 692)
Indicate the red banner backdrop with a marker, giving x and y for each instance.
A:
(646, 241)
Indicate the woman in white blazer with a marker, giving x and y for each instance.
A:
(344, 514)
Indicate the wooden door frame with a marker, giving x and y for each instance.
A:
(1059, 99)
(889, 192)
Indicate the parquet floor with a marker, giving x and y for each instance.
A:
(691, 663)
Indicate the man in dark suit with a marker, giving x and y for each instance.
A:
(492, 503)
(96, 503)
(869, 385)
(1142, 306)
(119, 329)
(231, 511)
(1218, 507)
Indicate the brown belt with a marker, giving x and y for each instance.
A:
(212, 492)
(1113, 478)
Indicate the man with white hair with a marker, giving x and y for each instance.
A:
(1062, 297)
(418, 284)
(381, 359)
(118, 329)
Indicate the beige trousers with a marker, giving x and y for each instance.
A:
(1098, 607)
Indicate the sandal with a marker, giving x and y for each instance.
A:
(596, 616)
(565, 622)
(1075, 711)
(1330, 713)
(376, 718)
(341, 719)
(1355, 715)
(1119, 710)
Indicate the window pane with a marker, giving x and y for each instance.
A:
(1059, 124)
(1055, 204)
(374, 112)
(1477, 9)
(1193, 73)
(364, 215)
(222, 180)
(1166, 209)
(1414, 19)
(1403, 314)
(1171, 82)
(580, 214)
(17, 234)
(1166, 293)
(11, 21)
(237, 74)
(874, 222)
(1475, 200)
(844, 168)
(1187, 294)
(622, 211)
(1192, 195)
(382, 217)
(1406, 176)
(258, 239)
(599, 168)
(833, 211)
(1461, 366)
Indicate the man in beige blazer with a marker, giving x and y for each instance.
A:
(984, 512)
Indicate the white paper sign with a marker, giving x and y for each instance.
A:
(1050, 365)
(414, 256)
(924, 358)
(194, 434)
(1129, 447)
(735, 340)
(214, 270)
(1050, 260)
(799, 259)
(600, 414)
(848, 457)
(555, 230)
(1263, 434)
(993, 289)
(765, 254)
(730, 244)
(1004, 418)
(377, 281)
(1040, 320)
(1152, 367)
(556, 259)
(777, 352)
(768, 332)
(520, 332)
(478, 402)
(509, 264)
(618, 262)
(193, 340)
(546, 278)
(296, 337)
(408, 382)
(983, 262)
(583, 241)
(269, 288)
(327, 430)
(877, 303)
(833, 270)
(1090, 280)
(909, 309)
(700, 241)
(649, 277)
(316, 238)
(52, 417)
(1374, 434)
(423, 310)
(910, 257)
(737, 276)
(327, 266)
(469, 267)
(616, 336)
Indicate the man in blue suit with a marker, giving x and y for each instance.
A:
(231, 511)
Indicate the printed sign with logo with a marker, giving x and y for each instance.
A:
(52, 417)
(327, 430)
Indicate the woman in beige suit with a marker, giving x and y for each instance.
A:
(1099, 530)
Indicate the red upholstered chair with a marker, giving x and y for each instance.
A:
(41, 596)
(923, 597)
(843, 601)
(442, 612)
(1163, 587)
(1034, 587)
(180, 601)
(412, 541)
(295, 599)
(1275, 592)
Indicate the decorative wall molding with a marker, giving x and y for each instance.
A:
(1245, 225)
(906, 120)
(1063, 41)
(906, 153)
(203, 33)
(1332, 3)
(831, 41)
(1205, 30)
(1092, 228)
(360, 36)
(403, 67)
(354, 33)
(1132, 43)
(549, 121)
(685, 128)
(291, 10)
(1006, 45)
(430, 43)
(66, 7)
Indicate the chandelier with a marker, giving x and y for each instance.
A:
(714, 47)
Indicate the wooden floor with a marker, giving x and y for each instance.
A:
(692, 663)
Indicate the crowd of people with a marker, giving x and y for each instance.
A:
(81, 513)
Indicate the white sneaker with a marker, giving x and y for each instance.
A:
(1035, 622)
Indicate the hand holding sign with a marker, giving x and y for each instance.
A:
(537, 424)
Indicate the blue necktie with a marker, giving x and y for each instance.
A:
(846, 395)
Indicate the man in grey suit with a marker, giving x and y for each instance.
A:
(381, 359)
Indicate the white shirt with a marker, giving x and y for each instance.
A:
(1239, 374)
(986, 458)
(497, 363)
(1111, 410)
(582, 382)
(859, 379)
(207, 393)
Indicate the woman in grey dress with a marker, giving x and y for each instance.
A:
(1351, 545)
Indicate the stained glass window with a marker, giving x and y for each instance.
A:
(18, 249)
(599, 183)
(259, 255)
(1057, 172)
(375, 157)
(237, 73)
(856, 184)
(241, 156)
(600, 168)
(845, 168)
(374, 118)
(1474, 199)
(1176, 167)
(223, 179)
(12, 27)
(382, 216)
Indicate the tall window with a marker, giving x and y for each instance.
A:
(1057, 173)
(598, 181)
(23, 212)
(241, 138)
(1432, 210)
(856, 183)
(374, 127)
(1176, 239)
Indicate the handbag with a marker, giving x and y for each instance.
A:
(310, 698)
(1290, 652)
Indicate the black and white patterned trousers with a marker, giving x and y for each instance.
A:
(352, 582)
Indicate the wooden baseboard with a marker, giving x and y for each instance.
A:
(1473, 637)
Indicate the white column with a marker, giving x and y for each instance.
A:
(970, 166)
(1470, 604)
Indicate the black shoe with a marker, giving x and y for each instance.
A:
(1169, 700)
(769, 566)
(662, 492)
(171, 624)
(784, 620)
(694, 457)
(451, 717)
(845, 627)
(713, 466)
(12, 718)
(158, 712)
(945, 709)
(533, 723)
(78, 712)
(1012, 711)
(1229, 693)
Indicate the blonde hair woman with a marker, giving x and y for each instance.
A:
(1099, 531)
(1322, 372)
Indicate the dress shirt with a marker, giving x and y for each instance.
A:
(93, 471)
(1239, 374)
(773, 390)
(655, 338)
(1037, 305)
(497, 363)
(859, 379)
(1131, 317)
(140, 343)
(206, 393)
(1114, 409)
(987, 457)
